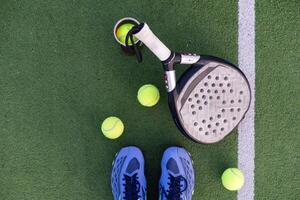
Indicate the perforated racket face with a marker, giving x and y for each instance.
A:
(212, 102)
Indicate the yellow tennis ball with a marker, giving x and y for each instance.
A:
(112, 127)
(233, 179)
(122, 32)
(148, 95)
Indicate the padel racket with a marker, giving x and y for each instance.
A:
(209, 100)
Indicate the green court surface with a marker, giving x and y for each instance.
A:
(62, 74)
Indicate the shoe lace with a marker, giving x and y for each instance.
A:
(132, 187)
(175, 187)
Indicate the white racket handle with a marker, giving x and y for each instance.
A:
(153, 43)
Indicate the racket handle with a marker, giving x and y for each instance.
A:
(152, 42)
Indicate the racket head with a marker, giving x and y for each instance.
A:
(210, 100)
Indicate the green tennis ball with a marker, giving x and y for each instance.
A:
(233, 179)
(122, 32)
(148, 95)
(112, 127)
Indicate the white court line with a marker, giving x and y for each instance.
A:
(246, 61)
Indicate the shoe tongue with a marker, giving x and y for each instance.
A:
(133, 165)
(172, 166)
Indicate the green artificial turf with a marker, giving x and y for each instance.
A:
(62, 73)
(277, 100)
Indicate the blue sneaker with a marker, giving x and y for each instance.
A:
(177, 177)
(128, 180)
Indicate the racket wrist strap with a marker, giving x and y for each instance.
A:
(135, 46)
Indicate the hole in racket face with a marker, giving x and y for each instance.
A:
(222, 96)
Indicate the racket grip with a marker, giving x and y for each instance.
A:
(153, 43)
